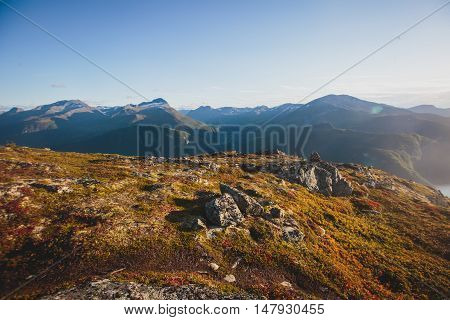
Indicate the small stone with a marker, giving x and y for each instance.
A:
(230, 278)
(286, 284)
(37, 232)
(64, 189)
(321, 231)
(213, 266)
(236, 263)
(265, 202)
(87, 181)
(193, 224)
(51, 187)
(213, 232)
(291, 234)
(250, 168)
(153, 187)
(277, 213)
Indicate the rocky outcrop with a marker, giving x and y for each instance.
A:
(113, 290)
(320, 176)
(437, 198)
(223, 211)
(234, 206)
(314, 157)
(316, 175)
(247, 205)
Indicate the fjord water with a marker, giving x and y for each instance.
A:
(445, 189)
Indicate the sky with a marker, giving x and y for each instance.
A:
(223, 53)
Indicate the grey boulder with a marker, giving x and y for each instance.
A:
(245, 203)
(223, 211)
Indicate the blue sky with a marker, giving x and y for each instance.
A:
(222, 53)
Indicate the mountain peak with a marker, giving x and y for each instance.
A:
(68, 104)
(425, 107)
(154, 101)
(14, 110)
(431, 109)
(354, 104)
(340, 98)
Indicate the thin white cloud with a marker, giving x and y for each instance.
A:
(58, 85)
(250, 91)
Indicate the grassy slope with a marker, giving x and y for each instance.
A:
(119, 224)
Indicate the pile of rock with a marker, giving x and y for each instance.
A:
(316, 175)
(223, 211)
(234, 205)
(231, 207)
(246, 204)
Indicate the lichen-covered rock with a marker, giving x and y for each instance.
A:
(342, 188)
(292, 234)
(57, 188)
(230, 278)
(245, 203)
(276, 213)
(314, 157)
(321, 231)
(113, 290)
(212, 233)
(193, 224)
(317, 176)
(86, 181)
(321, 180)
(286, 284)
(250, 167)
(214, 266)
(223, 211)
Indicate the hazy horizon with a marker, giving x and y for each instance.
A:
(6, 108)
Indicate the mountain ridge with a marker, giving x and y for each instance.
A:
(420, 142)
(431, 109)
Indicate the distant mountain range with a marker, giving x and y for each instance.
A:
(426, 108)
(412, 143)
(72, 125)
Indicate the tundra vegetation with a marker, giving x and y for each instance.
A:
(247, 226)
